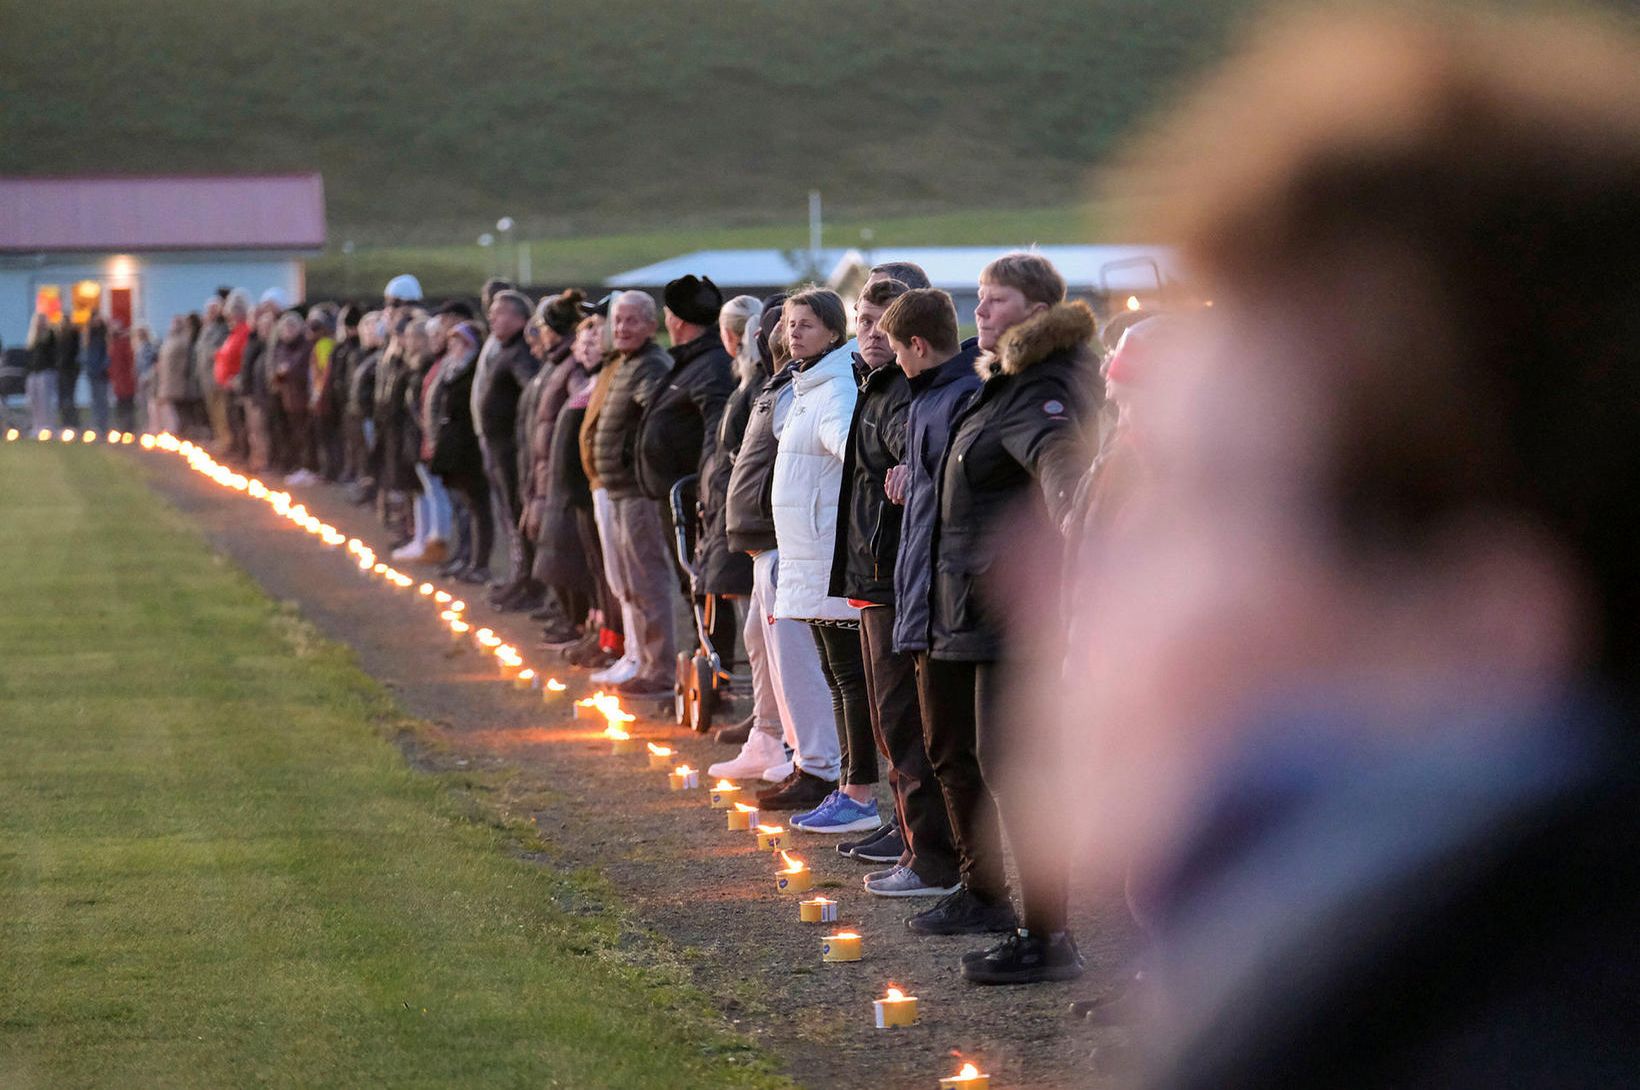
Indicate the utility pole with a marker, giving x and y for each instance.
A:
(815, 230)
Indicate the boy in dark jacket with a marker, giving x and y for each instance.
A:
(918, 844)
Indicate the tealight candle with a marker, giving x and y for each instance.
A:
(442, 597)
(742, 817)
(553, 691)
(380, 569)
(843, 946)
(817, 910)
(683, 778)
(620, 741)
(894, 1009)
(969, 1078)
(458, 606)
(524, 679)
(770, 838)
(458, 632)
(723, 795)
(425, 589)
(794, 877)
(660, 756)
(12, 434)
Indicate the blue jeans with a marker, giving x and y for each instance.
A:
(433, 510)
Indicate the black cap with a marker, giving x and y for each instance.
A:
(694, 299)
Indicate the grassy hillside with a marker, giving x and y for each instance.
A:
(431, 119)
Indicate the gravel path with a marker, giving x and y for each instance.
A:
(706, 891)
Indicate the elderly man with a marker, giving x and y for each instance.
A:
(639, 564)
(505, 367)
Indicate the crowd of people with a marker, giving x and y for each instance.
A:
(830, 488)
(109, 355)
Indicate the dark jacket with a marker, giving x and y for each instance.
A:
(94, 352)
(936, 399)
(679, 429)
(1018, 449)
(538, 412)
(344, 360)
(361, 384)
(504, 369)
(290, 375)
(456, 456)
(43, 355)
(724, 570)
(66, 342)
(748, 519)
(868, 526)
(638, 380)
(561, 561)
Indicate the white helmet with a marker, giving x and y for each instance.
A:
(404, 288)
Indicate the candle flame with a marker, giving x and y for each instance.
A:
(771, 829)
(660, 751)
(681, 770)
(526, 673)
(459, 606)
(894, 994)
(442, 597)
(969, 1071)
(616, 733)
(724, 785)
(793, 865)
(844, 935)
(555, 685)
(743, 808)
(425, 589)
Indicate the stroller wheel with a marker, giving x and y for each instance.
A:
(682, 698)
(702, 694)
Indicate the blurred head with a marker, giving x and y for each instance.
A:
(290, 327)
(815, 323)
(908, 273)
(509, 311)
(1013, 288)
(589, 341)
(920, 326)
(737, 314)
(494, 286)
(634, 320)
(1396, 464)
(868, 310)
(213, 308)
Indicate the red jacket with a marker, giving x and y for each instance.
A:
(232, 353)
(122, 365)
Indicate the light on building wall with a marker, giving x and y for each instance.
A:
(122, 267)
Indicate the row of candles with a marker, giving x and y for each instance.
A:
(793, 876)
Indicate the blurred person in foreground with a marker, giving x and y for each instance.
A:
(1357, 705)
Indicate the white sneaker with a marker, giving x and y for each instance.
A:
(759, 749)
(411, 551)
(776, 773)
(616, 672)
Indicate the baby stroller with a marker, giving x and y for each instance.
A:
(702, 678)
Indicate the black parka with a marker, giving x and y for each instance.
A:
(504, 369)
(868, 526)
(456, 456)
(678, 430)
(1015, 459)
(749, 510)
(639, 377)
(724, 570)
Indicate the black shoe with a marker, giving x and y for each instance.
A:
(453, 566)
(548, 611)
(1023, 958)
(643, 688)
(735, 735)
(518, 603)
(799, 791)
(560, 637)
(963, 913)
(887, 848)
(474, 575)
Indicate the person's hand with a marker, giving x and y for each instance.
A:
(894, 484)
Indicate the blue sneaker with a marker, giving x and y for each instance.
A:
(796, 821)
(844, 816)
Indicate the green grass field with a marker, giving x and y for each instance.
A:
(216, 871)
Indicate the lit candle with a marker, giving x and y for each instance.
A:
(12, 434)
(425, 589)
(817, 910)
(843, 946)
(458, 606)
(89, 437)
(660, 757)
(379, 569)
(127, 439)
(683, 778)
(742, 817)
(67, 435)
(770, 838)
(620, 741)
(969, 1078)
(442, 597)
(458, 632)
(794, 877)
(524, 679)
(587, 706)
(723, 795)
(895, 1009)
(552, 691)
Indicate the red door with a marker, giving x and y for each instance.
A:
(119, 306)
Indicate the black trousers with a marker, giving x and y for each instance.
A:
(473, 495)
(68, 380)
(897, 720)
(968, 744)
(501, 467)
(844, 667)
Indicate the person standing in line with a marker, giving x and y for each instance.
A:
(147, 361)
(172, 385)
(122, 376)
(229, 358)
(504, 368)
(41, 384)
(94, 365)
(66, 343)
(212, 335)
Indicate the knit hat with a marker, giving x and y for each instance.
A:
(404, 288)
(695, 299)
(562, 312)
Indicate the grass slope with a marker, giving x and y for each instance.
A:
(430, 119)
(215, 872)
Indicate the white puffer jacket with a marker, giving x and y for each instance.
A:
(808, 477)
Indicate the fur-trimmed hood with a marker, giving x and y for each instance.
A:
(1063, 327)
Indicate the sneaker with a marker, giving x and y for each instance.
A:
(778, 773)
(848, 847)
(903, 882)
(560, 637)
(453, 566)
(411, 551)
(964, 913)
(888, 848)
(616, 672)
(646, 688)
(799, 791)
(735, 734)
(813, 811)
(754, 756)
(476, 576)
(843, 815)
(1023, 958)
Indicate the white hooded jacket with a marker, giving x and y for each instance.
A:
(808, 477)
